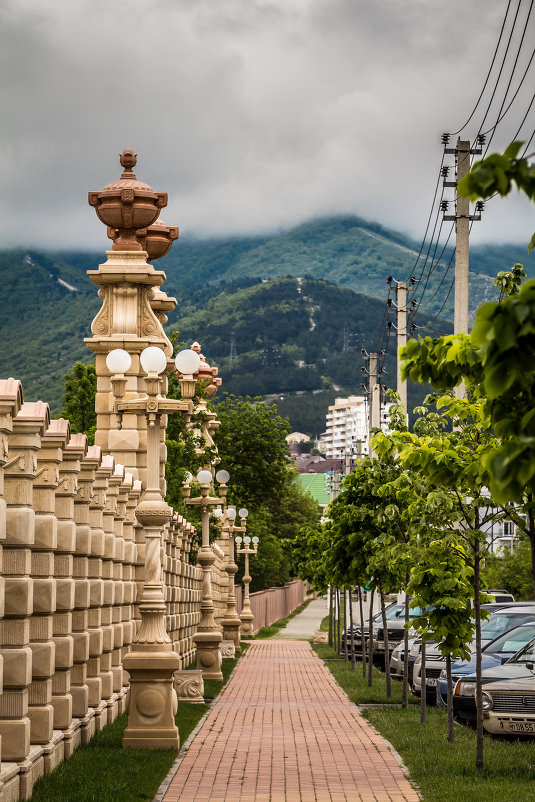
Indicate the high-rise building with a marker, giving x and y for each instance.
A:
(347, 427)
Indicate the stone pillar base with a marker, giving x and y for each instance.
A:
(189, 686)
(231, 631)
(227, 649)
(246, 625)
(152, 701)
(208, 654)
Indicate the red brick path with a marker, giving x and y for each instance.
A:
(283, 731)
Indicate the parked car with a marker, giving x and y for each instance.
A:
(495, 653)
(397, 662)
(391, 612)
(517, 667)
(501, 595)
(495, 625)
(416, 643)
(509, 706)
(395, 629)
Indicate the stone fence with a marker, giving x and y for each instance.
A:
(72, 564)
(273, 603)
(71, 569)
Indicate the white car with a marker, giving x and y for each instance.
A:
(492, 627)
(509, 707)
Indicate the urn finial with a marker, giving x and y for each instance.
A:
(127, 205)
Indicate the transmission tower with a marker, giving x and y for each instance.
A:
(233, 356)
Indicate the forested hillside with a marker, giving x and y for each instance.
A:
(289, 334)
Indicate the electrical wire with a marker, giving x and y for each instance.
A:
(501, 67)
(428, 220)
(493, 128)
(500, 118)
(489, 71)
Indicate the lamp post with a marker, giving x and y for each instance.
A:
(246, 615)
(208, 637)
(231, 622)
(152, 661)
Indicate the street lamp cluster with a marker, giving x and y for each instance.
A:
(128, 332)
(152, 662)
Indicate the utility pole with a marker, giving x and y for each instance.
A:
(462, 219)
(374, 392)
(401, 323)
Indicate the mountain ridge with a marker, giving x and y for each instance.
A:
(49, 301)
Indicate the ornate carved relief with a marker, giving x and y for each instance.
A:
(189, 686)
(101, 323)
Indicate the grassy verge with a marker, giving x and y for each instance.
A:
(446, 772)
(355, 685)
(324, 626)
(442, 771)
(103, 771)
(274, 629)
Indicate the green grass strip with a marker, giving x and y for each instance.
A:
(103, 771)
(443, 772)
(446, 772)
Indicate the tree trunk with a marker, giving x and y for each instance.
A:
(387, 651)
(479, 689)
(362, 638)
(344, 628)
(370, 638)
(330, 615)
(531, 520)
(423, 696)
(338, 620)
(405, 689)
(353, 662)
(451, 736)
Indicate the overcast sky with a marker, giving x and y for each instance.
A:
(254, 115)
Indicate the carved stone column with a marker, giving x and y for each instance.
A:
(96, 587)
(10, 403)
(106, 469)
(69, 470)
(28, 426)
(231, 621)
(82, 587)
(50, 455)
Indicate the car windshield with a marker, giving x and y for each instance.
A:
(513, 640)
(498, 623)
(525, 655)
(390, 611)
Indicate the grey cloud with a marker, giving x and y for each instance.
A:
(251, 114)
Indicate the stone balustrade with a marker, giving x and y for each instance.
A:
(71, 571)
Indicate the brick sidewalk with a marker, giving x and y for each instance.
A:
(305, 625)
(283, 731)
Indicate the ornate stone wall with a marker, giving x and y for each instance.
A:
(71, 570)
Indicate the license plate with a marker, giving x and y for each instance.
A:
(517, 726)
(431, 682)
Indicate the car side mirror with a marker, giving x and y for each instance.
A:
(529, 666)
(504, 660)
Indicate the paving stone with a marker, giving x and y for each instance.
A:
(283, 731)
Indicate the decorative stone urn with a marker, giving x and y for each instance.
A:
(127, 205)
(157, 239)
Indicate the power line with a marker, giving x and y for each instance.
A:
(488, 73)
(502, 66)
(493, 129)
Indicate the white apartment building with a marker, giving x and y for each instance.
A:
(347, 426)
